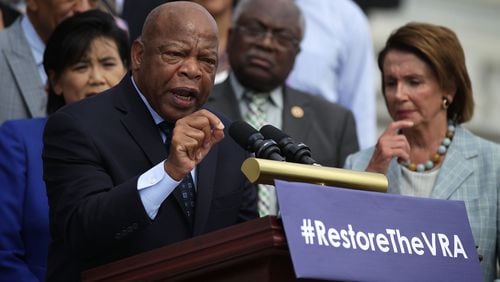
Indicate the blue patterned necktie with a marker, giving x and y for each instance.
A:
(186, 187)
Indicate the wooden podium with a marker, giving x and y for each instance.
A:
(252, 251)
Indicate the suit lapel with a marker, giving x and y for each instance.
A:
(142, 128)
(393, 174)
(138, 122)
(23, 66)
(457, 166)
(149, 140)
(295, 125)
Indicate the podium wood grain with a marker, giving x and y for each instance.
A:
(252, 251)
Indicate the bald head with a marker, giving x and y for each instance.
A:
(176, 14)
(175, 59)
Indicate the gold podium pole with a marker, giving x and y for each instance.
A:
(265, 171)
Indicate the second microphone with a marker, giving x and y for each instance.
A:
(293, 152)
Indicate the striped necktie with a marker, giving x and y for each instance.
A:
(256, 114)
(186, 187)
(256, 117)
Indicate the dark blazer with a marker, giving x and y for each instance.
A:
(24, 212)
(135, 13)
(328, 129)
(94, 152)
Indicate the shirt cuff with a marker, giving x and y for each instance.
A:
(154, 186)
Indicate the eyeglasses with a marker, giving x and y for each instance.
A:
(284, 38)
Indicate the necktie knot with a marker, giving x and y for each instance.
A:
(257, 99)
(256, 115)
(167, 128)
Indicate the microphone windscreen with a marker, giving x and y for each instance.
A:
(271, 132)
(241, 131)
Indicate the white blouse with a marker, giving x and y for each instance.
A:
(417, 184)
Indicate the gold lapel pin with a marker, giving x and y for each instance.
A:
(297, 112)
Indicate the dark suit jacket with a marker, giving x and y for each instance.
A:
(328, 129)
(94, 152)
(135, 13)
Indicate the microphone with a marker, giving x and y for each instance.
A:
(251, 140)
(294, 152)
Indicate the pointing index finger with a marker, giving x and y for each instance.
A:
(395, 126)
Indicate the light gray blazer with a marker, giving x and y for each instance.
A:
(471, 173)
(22, 93)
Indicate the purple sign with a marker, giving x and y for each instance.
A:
(350, 235)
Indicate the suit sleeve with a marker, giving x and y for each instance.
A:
(13, 186)
(87, 209)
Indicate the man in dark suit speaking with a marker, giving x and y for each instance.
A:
(263, 43)
(141, 166)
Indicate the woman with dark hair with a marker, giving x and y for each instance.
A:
(86, 54)
(425, 151)
(68, 52)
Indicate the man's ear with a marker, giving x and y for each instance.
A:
(137, 54)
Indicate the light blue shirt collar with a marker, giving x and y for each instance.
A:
(36, 44)
(276, 96)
